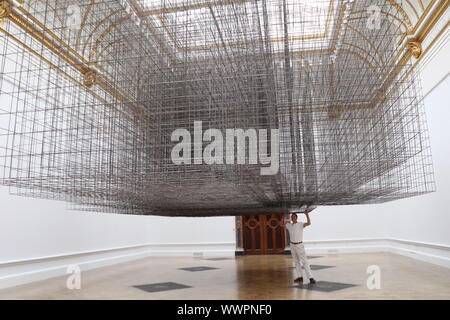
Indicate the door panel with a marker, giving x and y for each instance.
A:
(263, 234)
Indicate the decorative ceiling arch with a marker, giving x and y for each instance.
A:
(98, 25)
(86, 14)
(412, 11)
(386, 16)
(104, 35)
(403, 13)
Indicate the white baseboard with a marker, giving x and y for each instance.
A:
(13, 273)
(428, 252)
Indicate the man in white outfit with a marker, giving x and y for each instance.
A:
(298, 249)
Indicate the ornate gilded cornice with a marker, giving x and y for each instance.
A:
(5, 11)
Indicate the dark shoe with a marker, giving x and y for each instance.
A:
(312, 281)
(299, 280)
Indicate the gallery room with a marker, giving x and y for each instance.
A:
(224, 149)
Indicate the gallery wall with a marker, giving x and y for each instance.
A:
(425, 218)
(34, 228)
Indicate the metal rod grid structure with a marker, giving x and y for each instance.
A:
(90, 95)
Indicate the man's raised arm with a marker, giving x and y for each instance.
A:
(308, 220)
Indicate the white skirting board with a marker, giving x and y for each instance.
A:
(428, 252)
(13, 273)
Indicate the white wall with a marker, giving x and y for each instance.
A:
(347, 222)
(34, 228)
(427, 218)
(40, 238)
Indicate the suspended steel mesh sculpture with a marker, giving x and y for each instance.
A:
(92, 90)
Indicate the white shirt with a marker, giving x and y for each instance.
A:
(295, 231)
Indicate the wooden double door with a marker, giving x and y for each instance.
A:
(263, 234)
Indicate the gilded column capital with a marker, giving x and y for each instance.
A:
(89, 78)
(415, 47)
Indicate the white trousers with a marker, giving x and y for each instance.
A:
(299, 256)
